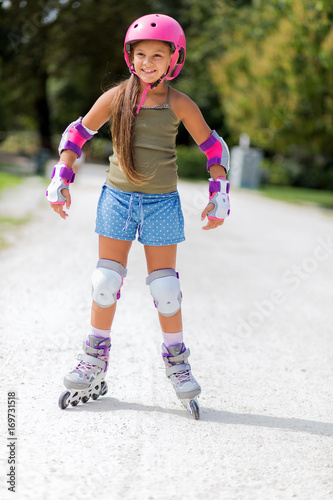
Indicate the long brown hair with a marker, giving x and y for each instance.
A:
(122, 128)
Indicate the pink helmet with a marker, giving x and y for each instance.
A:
(162, 28)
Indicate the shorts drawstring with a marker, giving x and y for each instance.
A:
(154, 219)
(141, 215)
(130, 213)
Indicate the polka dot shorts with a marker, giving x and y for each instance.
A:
(157, 218)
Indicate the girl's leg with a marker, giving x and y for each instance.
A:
(90, 372)
(174, 352)
(164, 257)
(116, 250)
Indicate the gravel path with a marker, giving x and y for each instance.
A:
(258, 318)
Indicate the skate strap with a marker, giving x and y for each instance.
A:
(113, 265)
(220, 185)
(101, 350)
(92, 360)
(177, 359)
(180, 367)
(161, 273)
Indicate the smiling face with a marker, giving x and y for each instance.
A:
(151, 59)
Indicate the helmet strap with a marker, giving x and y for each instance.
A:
(154, 85)
(148, 86)
(173, 63)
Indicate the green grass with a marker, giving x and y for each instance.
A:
(8, 225)
(14, 221)
(299, 195)
(8, 180)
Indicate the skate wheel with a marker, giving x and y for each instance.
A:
(94, 396)
(85, 399)
(75, 402)
(104, 388)
(63, 400)
(195, 410)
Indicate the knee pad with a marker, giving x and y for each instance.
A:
(107, 279)
(165, 290)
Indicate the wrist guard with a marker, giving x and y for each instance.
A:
(216, 150)
(74, 137)
(218, 195)
(62, 176)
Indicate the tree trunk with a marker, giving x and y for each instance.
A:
(43, 113)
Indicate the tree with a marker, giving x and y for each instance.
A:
(276, 78)
(24, 40)
(57, 53)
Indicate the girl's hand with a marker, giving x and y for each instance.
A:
(58, 208)
(219, 206)
(212, 223)
(57, 192)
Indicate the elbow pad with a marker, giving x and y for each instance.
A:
(216, 150)
(75, 136)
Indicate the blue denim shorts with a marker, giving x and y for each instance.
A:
(156, 218)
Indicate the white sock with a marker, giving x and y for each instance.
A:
(100, 333)
(172, 338)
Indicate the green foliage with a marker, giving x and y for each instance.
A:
(299, 196)
(61, 54)
(260, 67)
(100, 149)
(21, 142)
(4, 111)
(203, 23)
(8, 180)
(280, 171)
(191, 163)
(276, 78)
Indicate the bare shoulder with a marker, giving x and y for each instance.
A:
(189, 113)
(181, 104)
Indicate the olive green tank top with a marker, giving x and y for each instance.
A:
(155, 134)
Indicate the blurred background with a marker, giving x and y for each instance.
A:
(261, 72)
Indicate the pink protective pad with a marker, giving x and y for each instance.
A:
(75, 136)
(216, 150)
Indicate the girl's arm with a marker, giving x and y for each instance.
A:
(99, 114)
(189, 113)
(101, 111)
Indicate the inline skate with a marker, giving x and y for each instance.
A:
(87, 379)
(178, 370)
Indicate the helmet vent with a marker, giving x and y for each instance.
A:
(153, 25)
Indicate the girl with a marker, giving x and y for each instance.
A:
(140, 196)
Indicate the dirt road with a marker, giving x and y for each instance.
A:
(257, 314)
